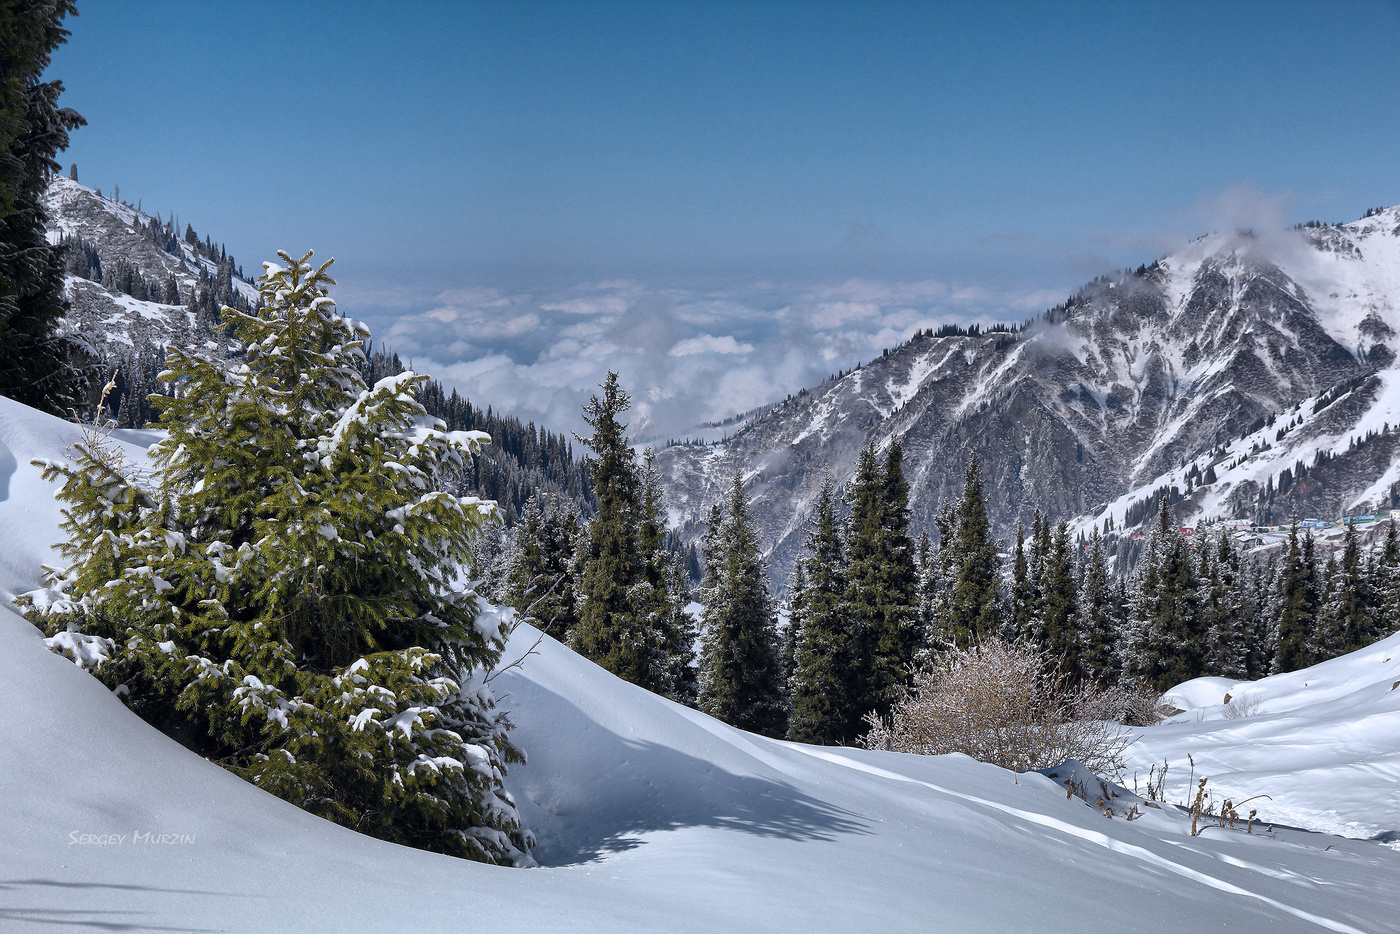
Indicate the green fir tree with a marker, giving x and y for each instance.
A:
(1099, 616)
(974, 573)
(1061, 598)
(741, 671)
(539, 578)
(280, 593)
(1298, 610)
(614, 625)
(1167, 640)
(822, 664)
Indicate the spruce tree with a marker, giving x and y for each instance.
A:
(932, 597)
(938, 568)
(1023, 605)
(741, 671)
(539, 578)
(1297, 619)
(37, 366)
(864, 569)
(280, 594)
(881, 584)
(1060, 629)
(1327, 633)
(1098, 622)
(1385, 584)
(1038, 574)
(818, 682)
(973, 578)
(1167, 641)
(1263, 656)
(797, 586)
(897, 632)
(1226, 614)
(1350, 606)
(613, 626)
(664, 591)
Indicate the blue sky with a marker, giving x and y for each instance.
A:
(726, 201)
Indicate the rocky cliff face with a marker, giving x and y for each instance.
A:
(1174, 376)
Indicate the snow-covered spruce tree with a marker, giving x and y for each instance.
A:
(1060, 633)
(1385, 584)
(741, 671)
(881, 585)
(1298, 605)
(1349, 611)
(1222, 613)
(539, 579)
(1099, 616)
(664, 592)
(932, 597)
(1167, 637)
(1021, 599)
(974, 569)
(280, 594)
(796, 611)
(899, 635)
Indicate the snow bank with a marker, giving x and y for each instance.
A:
(1323, 743)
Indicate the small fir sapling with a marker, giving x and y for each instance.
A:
(281, 592)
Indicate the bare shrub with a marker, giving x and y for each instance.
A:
(1137, 704)
(1239, 708)
(1009, 704)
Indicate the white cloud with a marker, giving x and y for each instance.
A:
(686, 356)
(708, 343)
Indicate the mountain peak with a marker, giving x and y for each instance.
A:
(1134, 380)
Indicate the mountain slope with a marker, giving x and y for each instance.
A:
(651, 817)
(1098, 401)
(132, 251)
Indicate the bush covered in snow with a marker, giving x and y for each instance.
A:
(1009, 704)
(281, 592)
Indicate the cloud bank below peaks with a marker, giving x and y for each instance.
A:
(687, 357)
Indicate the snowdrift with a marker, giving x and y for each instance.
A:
(650, 816)
(1323, 743)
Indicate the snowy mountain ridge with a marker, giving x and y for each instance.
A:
(103, 319)
(1105, 399)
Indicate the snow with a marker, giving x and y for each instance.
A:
(1323, 743)
(653, 817)
(1263, 455)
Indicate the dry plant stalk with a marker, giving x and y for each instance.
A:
(1198, 806)
(1009, 704)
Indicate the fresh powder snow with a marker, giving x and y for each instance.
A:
(654, 817)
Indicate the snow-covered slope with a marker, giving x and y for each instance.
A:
(1198, 361)
(1322, 743)
(651, 817)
